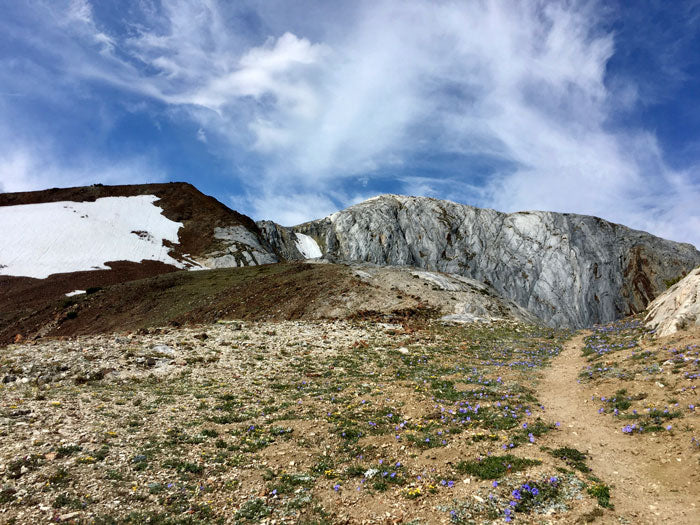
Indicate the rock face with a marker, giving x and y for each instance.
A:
(678, 308)
(569, 270)
(290, 245)
(283, 240)
(476, 302)
(239, 246)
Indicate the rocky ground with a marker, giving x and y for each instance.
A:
(351, 422)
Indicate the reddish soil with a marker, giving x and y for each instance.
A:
(152, 295)
(287, 291)
(26, 303)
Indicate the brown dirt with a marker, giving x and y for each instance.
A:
(27, 304)
(283, 291)
(644, 490)
(156, 295)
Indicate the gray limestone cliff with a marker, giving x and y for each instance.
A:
(569, 270)
(237, 246)
(283, 240)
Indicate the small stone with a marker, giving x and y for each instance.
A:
(164, 349)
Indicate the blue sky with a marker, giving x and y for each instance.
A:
(290, 110)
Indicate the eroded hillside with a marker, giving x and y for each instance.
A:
(30, 308)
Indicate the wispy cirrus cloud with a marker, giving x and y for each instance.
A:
(515, 106)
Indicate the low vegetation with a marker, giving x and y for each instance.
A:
(315, 422)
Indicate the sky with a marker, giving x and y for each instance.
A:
(292, 109)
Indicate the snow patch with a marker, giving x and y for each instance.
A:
(75, 292)
(308, 246)
(37, 240)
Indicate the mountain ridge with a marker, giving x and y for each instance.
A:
(567, 269)
(181, 202)
(543, 261)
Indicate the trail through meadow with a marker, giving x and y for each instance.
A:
(638, 493)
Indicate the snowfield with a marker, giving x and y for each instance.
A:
(307, 246)
(37, 240)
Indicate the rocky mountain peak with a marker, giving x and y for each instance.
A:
(568, 269)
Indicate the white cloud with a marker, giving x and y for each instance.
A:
(318, 100)
(286, 209)
(80, 10)
(266, 70)
(26, 167)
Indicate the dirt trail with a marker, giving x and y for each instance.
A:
(638, 497)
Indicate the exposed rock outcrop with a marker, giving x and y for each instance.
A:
(283, 240)
(569, 270)
(238, 246)
(474, 301)
(678, 308)
(290, 245)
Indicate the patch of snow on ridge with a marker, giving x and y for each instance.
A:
(308, 246)
(37, 240)
(75, 292)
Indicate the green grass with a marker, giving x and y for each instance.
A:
(601, 492)
(544, 494)
(67, 450)
(288, 483)
(494, 467)
(184, 466)
(252, 510)
(572, 457)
